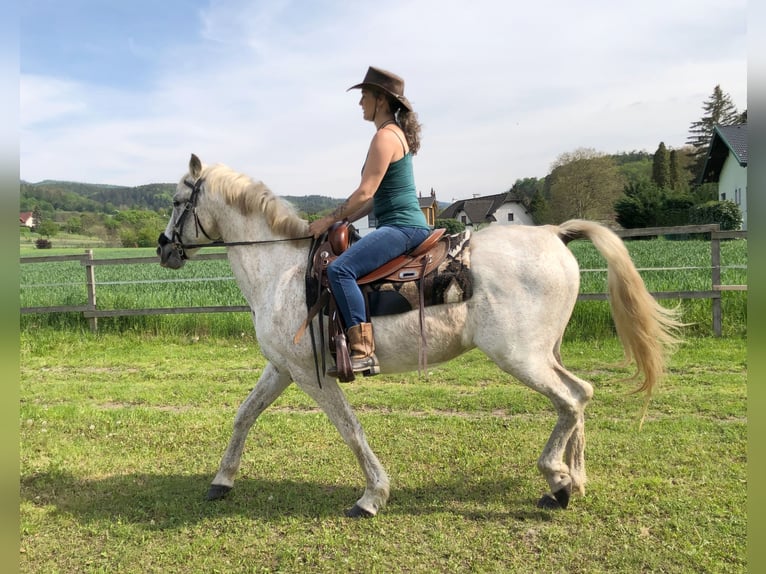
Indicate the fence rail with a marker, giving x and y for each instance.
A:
(91, 311)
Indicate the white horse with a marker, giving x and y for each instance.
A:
(525, 284)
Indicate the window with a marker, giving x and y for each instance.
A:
(464, 219)
(510, 217)
(723, 196)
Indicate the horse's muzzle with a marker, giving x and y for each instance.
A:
(171, 254)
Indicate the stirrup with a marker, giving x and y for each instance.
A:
(366, 366)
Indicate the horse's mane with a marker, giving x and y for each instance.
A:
(250, 196)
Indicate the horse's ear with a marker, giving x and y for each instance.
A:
(195, 166)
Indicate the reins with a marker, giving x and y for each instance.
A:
(218, 243)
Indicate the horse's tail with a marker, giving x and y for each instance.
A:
(647, 330)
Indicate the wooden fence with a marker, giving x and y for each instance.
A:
(91, 311)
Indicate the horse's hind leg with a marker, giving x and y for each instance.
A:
(562, 461)
(575, 449)
(270, 385)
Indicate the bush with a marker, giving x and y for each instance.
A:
(43, 243)
(726, 213)
(453, 226)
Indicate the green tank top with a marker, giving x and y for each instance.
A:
(396, 201)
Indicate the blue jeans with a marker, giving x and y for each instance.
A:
(364, 256)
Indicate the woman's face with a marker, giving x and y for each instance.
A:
(368, 101)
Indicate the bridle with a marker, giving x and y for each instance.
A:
(190, 208)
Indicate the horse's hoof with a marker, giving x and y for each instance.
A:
(558, 501)
(217, 491)
(548, 503)
(562, 496)
(358, 512)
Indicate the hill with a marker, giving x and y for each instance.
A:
(70, 196)
(67, 196)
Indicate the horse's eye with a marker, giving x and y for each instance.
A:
(176, 203)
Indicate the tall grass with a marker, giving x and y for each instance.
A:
(664, 265)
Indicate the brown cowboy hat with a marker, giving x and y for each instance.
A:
(386, 81)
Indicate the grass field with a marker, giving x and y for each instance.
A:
(122, 433)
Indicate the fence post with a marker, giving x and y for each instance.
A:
(715, 260)
(90, 282)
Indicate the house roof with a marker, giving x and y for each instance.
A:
(479, 209)
(726, 139)
(24, 216)
(426, 201)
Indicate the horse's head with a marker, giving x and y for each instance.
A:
(181, 238)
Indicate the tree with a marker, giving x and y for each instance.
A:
(526, 189)
(675, 171)
(136, 227)
(584, 184)
(540, 209)
(636, 171)
(74, 224)
(719, 109)
(37, 216)
(530, 191)
(661, 167)
(47, 228)
(640, 206)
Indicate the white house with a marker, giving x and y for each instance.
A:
(726, 164)
(501, 209)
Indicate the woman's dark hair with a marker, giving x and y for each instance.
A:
(408, 121)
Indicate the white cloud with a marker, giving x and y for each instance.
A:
(501, 89)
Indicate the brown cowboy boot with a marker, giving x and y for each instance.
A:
(361, 344)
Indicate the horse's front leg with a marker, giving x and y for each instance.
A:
(333, 402)
(271, 384)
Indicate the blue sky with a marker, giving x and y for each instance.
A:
(122, 93)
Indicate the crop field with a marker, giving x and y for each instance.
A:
(665, 266)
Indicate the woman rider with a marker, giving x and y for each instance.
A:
(387, 189)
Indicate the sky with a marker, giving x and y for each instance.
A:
(122, 93)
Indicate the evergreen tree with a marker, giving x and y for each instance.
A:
(37, 216)
(718, 110)
(661, 167)
(675, 171)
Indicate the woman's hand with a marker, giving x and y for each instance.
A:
(319, 226)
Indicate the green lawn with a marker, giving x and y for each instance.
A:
(122, 433)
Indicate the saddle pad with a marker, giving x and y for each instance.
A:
(450, 282)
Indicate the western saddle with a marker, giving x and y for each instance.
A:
(410, 266)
